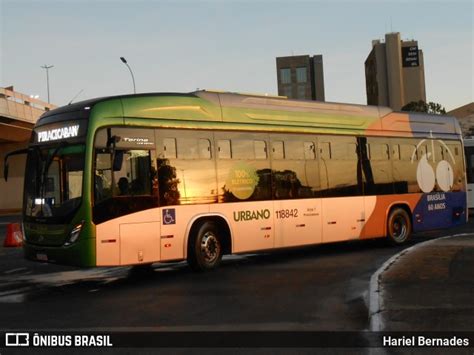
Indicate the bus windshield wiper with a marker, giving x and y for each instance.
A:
(51, 157)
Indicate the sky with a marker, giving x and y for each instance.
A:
(180, 46)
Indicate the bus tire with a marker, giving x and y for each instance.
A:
(205, 248)
(398, 226)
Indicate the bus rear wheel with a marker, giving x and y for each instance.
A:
(205, 247)
(398, 226)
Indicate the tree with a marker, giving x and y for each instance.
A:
(421, 106)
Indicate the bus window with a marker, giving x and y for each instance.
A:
(169, 148)
(294, 150)
(396, 152)
(407, 151)
(136, 170)
(278, 150)
(243, 149)
(223, 148)
(440, 150)
(381, 175)
(325, 150)
(339, 174)
(260, 149)
(187, 148)
(309, 151)
(205, 149)
(423, 151)
(192, 148)
(379, 151)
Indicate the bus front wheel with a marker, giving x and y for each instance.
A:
(205, 247)
(398, 226)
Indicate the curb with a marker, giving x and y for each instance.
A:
(376, 302)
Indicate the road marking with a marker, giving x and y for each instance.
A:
(15, 270)
(376, 301)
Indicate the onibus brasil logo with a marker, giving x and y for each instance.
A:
(426, 176)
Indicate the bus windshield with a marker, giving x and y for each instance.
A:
(53, 188)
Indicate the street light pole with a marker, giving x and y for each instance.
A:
(47, 67)
(124, 61)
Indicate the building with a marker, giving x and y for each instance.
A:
(18, 114)
(465, 116)
(301, 77)
(394, 73)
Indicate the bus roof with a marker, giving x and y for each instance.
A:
(267, 113)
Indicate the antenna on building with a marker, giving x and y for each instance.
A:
(391, 25)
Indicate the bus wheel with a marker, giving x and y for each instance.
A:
(398, 226)
(205, 247)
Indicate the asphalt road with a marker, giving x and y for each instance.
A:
(317, 288)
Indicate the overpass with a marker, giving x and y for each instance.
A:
(18, 115)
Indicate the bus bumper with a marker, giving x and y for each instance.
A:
(81, 253)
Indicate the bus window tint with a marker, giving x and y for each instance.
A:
(454, 158)
(380, 165)
(278, 150)
(260, 149)
(404, 170)
(247, 175)
(189, 177)
(124, 187)
(223, 149)
(309, 151)
(134, 175)
(169, 148)
(242, 149)
(102, 176)
(396, 152)
(339, 175)
(205, 149)
(297, 175)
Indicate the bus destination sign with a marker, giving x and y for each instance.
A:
(58, 133)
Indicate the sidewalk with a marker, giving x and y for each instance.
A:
(428, 287)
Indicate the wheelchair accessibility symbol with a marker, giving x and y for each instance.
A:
(169, 216)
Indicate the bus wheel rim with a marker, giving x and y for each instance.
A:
(210, 247)
(399, 228)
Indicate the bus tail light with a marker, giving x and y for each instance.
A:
(74, 235)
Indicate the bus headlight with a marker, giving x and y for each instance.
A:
(74, 235)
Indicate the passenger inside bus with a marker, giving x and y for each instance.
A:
(123, 186)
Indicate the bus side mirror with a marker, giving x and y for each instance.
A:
(5, 161)
(118, 160)
(112, 141)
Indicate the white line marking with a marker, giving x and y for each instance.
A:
(15, 270)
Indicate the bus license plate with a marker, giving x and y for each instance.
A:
(42, 257)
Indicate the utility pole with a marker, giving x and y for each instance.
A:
(47, 67)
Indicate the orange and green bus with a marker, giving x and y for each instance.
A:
(140, 179)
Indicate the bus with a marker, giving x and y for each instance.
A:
(469, 152)
(164, 177)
